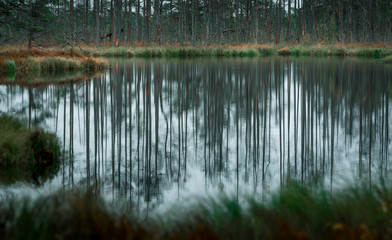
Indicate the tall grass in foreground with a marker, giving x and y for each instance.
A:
(293, 213)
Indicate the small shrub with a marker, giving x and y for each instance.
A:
(265, 51)
(251, 53)
(295, 51)
(340, 52)
(284, 51)
(10, 66)
(219, 52)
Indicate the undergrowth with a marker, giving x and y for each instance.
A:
(295, 212)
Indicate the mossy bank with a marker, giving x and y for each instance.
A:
(26, 155)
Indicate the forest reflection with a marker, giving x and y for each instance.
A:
(150, 129)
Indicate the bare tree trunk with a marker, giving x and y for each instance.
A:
(139, 23)
(87, 3)
(97, 22)
(289, 22)
(157, 20)
(148, 14)
(130, 21)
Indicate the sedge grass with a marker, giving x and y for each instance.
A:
(296, 212)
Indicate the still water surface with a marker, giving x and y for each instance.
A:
(156, 131)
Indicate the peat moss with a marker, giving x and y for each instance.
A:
(26, 155)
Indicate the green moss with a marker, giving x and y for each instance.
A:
(26, 155)
(251, 53)
(10, 66)
(266, 51)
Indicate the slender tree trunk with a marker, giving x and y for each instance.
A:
(157, 20)
(97, 22)
(130, 21)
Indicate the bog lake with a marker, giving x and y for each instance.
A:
(153, 132)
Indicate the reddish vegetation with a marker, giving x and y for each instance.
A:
(35, 52)
(37, 63)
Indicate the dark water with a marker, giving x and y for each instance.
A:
(154, 131)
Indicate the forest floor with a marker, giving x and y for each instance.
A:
(295, 212)
(26, 155)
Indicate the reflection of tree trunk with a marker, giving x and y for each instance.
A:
(332, 136)
(71, 120)
(266, 85)
(130, 79)
(288, 123)
(179, 131)
(386, 141)
(119, 104)
(360, 139)
(303, 120)
(280, 130)
(113, 124)
(167, 129)
(237, 128)
(126, 132)
(138, 129)
(370, 141)
(96, 84)
(156, 104)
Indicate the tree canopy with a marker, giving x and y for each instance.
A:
(194, 21)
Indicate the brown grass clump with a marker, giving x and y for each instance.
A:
(284, 51)
(32, 65)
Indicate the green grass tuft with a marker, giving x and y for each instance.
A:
(10, 66)
(294, 212)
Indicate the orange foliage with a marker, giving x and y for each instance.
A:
(34, 52)
(287, 231)
(342, 231)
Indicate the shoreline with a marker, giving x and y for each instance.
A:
(379, 52)
(31, 66)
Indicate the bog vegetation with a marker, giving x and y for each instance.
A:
(25, 154)
(295, 212)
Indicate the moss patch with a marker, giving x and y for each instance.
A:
(26, 155)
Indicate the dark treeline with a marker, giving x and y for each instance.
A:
(151, 126)
(199, 22)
